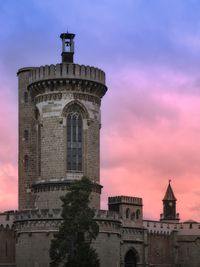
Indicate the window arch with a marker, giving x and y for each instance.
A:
(137, 214)
(74, 140)
(127, 213)
(130, 259)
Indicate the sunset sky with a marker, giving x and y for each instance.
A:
(150, 51)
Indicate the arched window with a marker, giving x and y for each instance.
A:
(26, 163)
(74, 141)
(26, 135)
(137, 214)
(127, 213)
(25, 97)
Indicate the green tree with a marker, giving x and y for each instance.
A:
(71, 246)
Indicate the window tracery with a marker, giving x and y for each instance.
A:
(74, 139)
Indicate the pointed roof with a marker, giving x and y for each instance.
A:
(169, 195)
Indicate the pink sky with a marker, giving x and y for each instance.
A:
(150, 135)
(150, 51)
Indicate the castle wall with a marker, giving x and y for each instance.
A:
(160, 250)
(7, 240)
(32, 249)
(108, 242)
(7, 246)
(107, 246)
(188, 250)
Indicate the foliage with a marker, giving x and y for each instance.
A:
(71, 246)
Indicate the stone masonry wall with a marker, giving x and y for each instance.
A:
(27, 174)
(160, 250)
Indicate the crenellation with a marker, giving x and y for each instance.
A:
(125, 199)
(107, 215)
(66, 71)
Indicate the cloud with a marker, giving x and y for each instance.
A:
(150, 134)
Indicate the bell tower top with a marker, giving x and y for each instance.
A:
(169, 206)
(67, 47)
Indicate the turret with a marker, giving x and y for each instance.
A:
(169, 206)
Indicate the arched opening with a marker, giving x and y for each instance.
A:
(74, 141)
(130, 259)
(127, 213)
(137, 214)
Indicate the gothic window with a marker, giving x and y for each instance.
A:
(26, 163)
(26, 135)
(25, 97)
(127, 213)
(74, 141)
(137, 214)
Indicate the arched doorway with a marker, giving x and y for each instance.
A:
(130, 259)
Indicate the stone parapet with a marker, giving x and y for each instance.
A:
(183, 228)
(109, 222)
(125, 200)
(69, 71)
(38, 220)
(37, 214)
(6, 219)
(130, 234)
(107, 215)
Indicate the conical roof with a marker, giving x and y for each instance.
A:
(169, 195)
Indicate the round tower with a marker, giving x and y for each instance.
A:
(59, 129)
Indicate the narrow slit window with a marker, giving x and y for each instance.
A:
(25, 97)
(26, 163)
(26, 135)
(39, 149)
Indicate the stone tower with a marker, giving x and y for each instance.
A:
(59, 129)
(59, 140)
(169, 206)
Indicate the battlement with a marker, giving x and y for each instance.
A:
(185, 228)
(107, 215)
(38, 214)
(66, 71)
(6, 220)
(125, 200)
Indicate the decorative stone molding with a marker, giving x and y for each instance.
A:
(59, 185)
(58, 96)
(67, 85)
